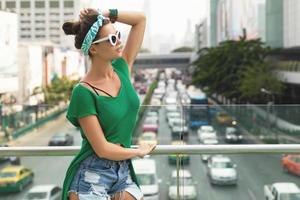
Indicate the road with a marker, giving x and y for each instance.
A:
(254, 170)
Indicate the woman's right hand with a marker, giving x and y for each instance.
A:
(145, 148)
(85, 11)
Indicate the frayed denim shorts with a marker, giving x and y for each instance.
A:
(99, 178)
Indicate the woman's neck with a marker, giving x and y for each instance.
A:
(100, 70)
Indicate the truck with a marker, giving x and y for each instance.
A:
(282, 191)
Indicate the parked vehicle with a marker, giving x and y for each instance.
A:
(233, 135)
(15, 178)
(291, 164)
(282, 191)
(187, 187)
(61, 139)
(221, 171)
(145, 170)
(44, 192)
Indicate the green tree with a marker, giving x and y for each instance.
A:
(59, 90)
(227, 69)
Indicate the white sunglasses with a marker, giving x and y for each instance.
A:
(113, 38)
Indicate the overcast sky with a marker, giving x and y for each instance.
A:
(165, 17)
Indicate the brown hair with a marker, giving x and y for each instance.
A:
(81, 28)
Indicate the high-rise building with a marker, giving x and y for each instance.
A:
(201, 35)
(41, 20)
(213, 22)
(274, 27)
(291, 26)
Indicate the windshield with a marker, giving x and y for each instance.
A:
(36, 195)
(290, 196)
(150, 121)
(8, 174)
(146, 179)
(222, 165)
(182, 181)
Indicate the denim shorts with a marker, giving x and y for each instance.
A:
(100, 178)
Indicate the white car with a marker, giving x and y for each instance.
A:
(44, 192)
(187, 187)
(221, 171)
(206, 132)
(209, 141)
(145, 170)
(173, 115)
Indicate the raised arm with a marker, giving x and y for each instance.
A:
(137, 21)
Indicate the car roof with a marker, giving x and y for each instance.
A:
(210, 141)
(178, 142)
(42, 188)
(12, 168)
(220, 159)
(287, 187)
(205, 127)
(146, 165)
(183, 173)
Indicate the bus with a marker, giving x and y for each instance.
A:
(198, 112)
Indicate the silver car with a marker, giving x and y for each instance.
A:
(221, 171)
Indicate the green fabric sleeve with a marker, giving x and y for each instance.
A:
(82, 104)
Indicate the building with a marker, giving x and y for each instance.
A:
(201, 35)
(274, 27)
(41, 20)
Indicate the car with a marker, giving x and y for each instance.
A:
(152, 114)
(233, 135)
(225, 119)
(61, 139)
(15, 178)
(150, 124)
(179, 131)
(221, 171)
(206, 132)
(208, 141)
(14, 160)
(291, 163)
(173, 116)
(183, 158)
(44, 192)
(282, 191)
(145, 170)
(187, 187)
(148, 137)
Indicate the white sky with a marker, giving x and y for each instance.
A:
(165, 17)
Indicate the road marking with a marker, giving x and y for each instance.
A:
(251, 194)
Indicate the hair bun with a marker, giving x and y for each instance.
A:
(71, 28)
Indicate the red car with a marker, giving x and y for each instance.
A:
(291, 163)
(150, 125)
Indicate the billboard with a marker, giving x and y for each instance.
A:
(8, 52)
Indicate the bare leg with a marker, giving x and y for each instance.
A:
(73, 196)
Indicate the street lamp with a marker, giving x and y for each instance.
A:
(271, 103)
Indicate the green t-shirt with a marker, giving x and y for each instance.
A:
(117, 117)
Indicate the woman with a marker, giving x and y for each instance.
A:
(104, 105)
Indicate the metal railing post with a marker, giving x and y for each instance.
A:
(177, 169)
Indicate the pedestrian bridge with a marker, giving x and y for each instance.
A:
(161, 61)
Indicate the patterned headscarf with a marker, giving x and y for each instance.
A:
(90, 36)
